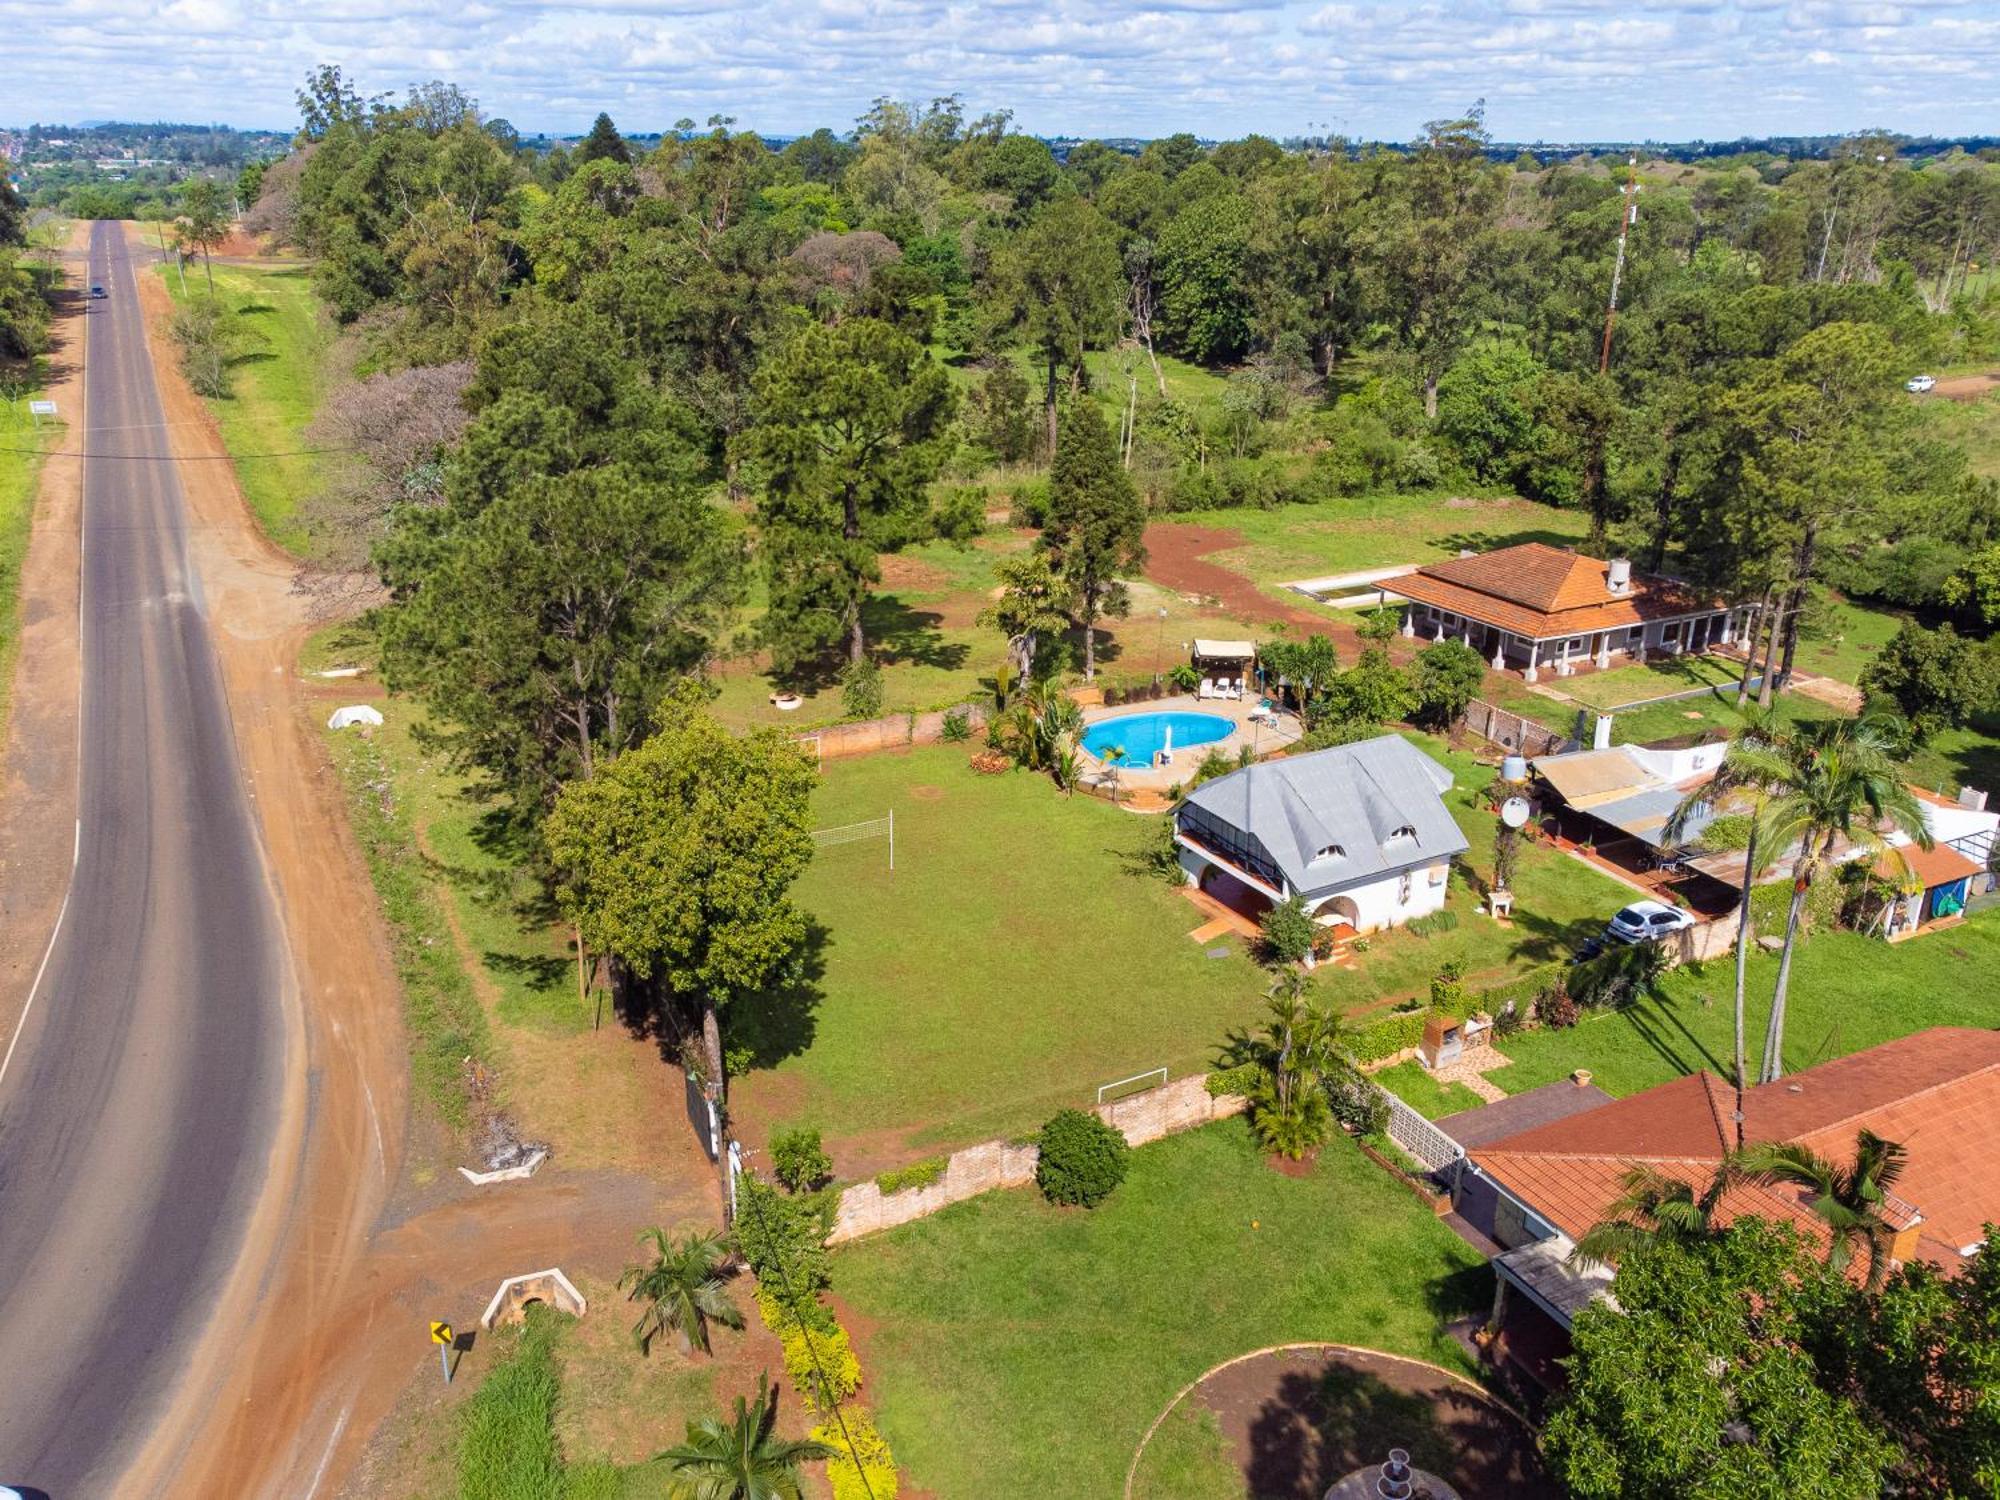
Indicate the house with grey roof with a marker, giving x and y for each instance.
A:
(1360, 832)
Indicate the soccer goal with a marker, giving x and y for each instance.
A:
(851, 833)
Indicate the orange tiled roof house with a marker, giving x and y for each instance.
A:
(1534, 1192)
(1536, 608)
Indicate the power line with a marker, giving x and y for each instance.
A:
(792, 1305)
(173, 458)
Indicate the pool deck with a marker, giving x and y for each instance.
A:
(1264, 738)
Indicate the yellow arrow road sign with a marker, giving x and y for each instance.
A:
(440, 1333)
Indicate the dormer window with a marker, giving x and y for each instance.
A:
(1407, 831)
(1331, 851)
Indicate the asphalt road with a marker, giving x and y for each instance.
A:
(137, 1109)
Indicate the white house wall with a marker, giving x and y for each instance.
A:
(1390, 901)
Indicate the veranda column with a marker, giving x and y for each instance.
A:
(1534, 650)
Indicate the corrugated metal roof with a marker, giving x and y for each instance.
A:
(1583, 776)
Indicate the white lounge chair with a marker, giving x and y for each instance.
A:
(1207, 687)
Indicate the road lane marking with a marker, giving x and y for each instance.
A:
(82, 571)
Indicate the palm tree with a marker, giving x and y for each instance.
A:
(682, 1287)
(1655, 1205)
(1849, 1200)
(1302, 1046)
(741, 1459)
(1835, 781)
(1742, 771)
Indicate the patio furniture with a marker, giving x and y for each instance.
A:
(1207, 687)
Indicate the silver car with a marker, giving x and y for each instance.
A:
(1644, 921)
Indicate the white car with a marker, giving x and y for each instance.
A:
(1644, 921)
(1916, 385)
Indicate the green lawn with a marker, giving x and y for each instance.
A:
(1413, 1084)
(1633, 683)
(1012, 961)
(1847, 640)
(22, 447)
(1848, 992)
(1972, 425)
(278, 382)
(1290, 542)
(1021, 1349)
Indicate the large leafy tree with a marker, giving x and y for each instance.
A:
(1697, 1385)
(204, 221)
(1062, 281)
(1096, 527)
(742, 1458)
(1923, 1356)
(1205, 307)
(678, 859)
(542, 629)
(852, 423)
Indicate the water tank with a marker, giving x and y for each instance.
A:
(1618, 575)
(1514, 768)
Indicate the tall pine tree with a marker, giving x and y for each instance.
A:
(604, 143)
(1097, 525)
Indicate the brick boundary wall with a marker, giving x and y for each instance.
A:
(892, 732)
(1184, 1104)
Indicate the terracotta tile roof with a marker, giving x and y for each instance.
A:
(1541, 591)
(1937, 1093)
(1939, 865)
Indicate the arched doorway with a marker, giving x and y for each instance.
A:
(1340, 911)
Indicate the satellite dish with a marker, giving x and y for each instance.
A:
(1514, 811)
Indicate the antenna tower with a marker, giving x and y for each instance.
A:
(1628, 215)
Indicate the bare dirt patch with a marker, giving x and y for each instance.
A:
(927, 793)
(1967, 387)
(913, 573)
(1178, 557)
(38, 762)
(1302, 1418)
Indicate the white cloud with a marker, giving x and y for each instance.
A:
(1548, 69)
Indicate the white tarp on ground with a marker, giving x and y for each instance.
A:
(359, 713)
(1224, 651)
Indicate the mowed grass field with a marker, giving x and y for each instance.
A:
(278, 379)
(1015, 1348)
(1015, 959)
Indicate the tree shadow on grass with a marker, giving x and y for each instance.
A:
(1545, 939)
(901, 634)
(1492, 541)
(1319, 1426)
(542, 972)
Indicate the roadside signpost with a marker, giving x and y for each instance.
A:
(40, 409)
(442, 1336)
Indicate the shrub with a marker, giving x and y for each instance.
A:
(1448, 987)
(957, 726)
(799, 1159)
(1358, 1106)
(784, 1238)
(1030, 505)
(1388, 1036)
(1288, 931)
(1436, 922)
(917, 1174)
(1185, 678)
(1507, 1022)
(959, 515)
(821, 1364)
(1557, 1011)
(1236, 1082)
(783, 1321)
(861, 690)
(858, 1449)
(1082, 1159)
(1293, 1128)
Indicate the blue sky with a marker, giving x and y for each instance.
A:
(1548, 69)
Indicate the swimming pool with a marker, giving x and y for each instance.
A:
(1134, 739)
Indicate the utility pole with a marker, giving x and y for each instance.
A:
(1628, 215)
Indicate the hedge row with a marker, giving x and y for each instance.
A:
(820, 1359)
(1393, 1033)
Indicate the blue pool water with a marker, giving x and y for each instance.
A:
(1142, 736)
